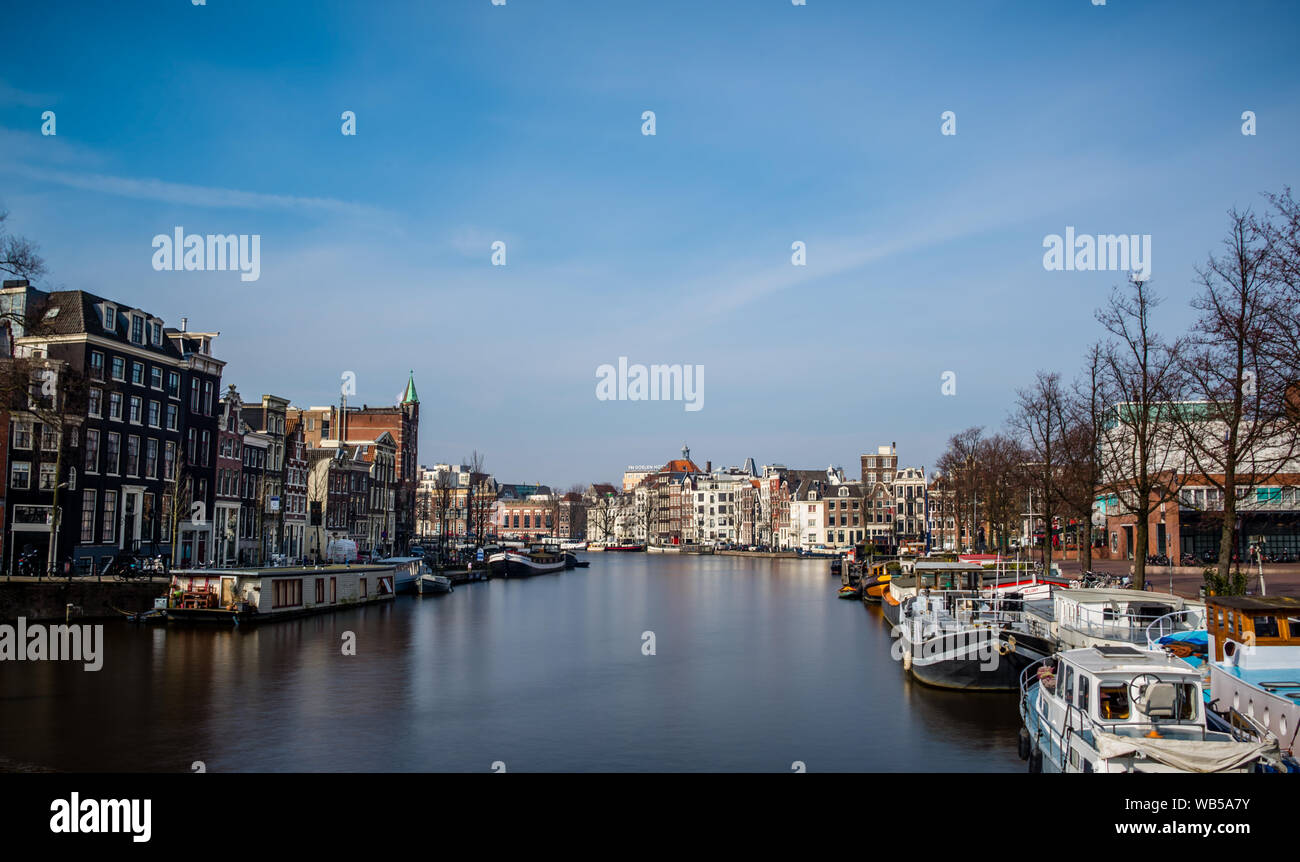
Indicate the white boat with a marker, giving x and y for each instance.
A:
(573, 546)
(964, 639)
(1004, 579)
(1093, 617)
(407, 571)
(430, 584)
(1125, 709)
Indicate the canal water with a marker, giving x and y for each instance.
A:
(757, 665)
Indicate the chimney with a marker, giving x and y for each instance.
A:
(708, 466)
(185, 323)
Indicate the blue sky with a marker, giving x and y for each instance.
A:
(522, 123)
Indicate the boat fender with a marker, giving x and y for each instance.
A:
(1036, 760)
(1022, 744)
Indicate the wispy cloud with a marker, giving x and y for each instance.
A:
(199, 196)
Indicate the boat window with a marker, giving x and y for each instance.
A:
(1169, 700)
(1112, 701)
(1293, 627)
(1084, 685)
(1067, 691)
(1266, 627)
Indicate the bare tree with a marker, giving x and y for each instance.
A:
(1001, 473)
(603, 514)
(1281, 229)
(19, 256)
(958, 463)
(1081, 467)
(51, 396)
(1233, 434)
(1041, 424)
(1139, 375)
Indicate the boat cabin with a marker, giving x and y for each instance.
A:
(234, 595)
(1254, 648)
(1122, 690)
(1234, 622)
(1086, 617)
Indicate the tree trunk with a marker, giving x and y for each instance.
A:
(1085, 543)
(1228, 533)
(1140, 540)
(54, 509)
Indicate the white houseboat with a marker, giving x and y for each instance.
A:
(1125, 709)
(962, 639)
(1086, 617)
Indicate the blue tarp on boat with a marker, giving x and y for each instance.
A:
(1197, 639)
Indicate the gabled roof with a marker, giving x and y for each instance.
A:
(72, 312)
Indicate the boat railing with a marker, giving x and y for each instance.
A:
(1030, 676)
(1243, 728)
(1113, 624)
(1186, 620)
(971, 607)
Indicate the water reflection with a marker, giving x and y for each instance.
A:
(757, 665)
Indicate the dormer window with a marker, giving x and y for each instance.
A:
(110, 318)
(156, 333)
(137, 329)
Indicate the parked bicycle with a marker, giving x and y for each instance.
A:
(128, 567)
(28, 563)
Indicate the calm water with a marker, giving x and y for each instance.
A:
(757, 665)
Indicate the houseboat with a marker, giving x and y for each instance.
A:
(252, 595)
(1254, 659)
(521, 564)
(1092, 617)
(1124, 709)
(964, 639)
(929, 575)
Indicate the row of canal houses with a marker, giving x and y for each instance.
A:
(773, 506)
(122, 422)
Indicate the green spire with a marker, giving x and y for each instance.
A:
(411, 397)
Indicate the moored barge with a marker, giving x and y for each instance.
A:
(256, 595)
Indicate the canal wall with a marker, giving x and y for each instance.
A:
(91, 599)
(771, 555)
